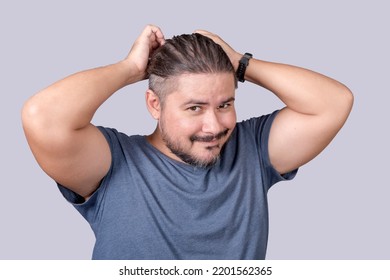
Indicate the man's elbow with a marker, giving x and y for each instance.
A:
(347, 100)
(31, 114)
(28, 113)
(36, 119)
(342, 107)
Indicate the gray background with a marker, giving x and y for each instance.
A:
(338, 205)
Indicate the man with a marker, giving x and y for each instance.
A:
(196, 187)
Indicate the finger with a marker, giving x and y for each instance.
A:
(157, 34)
(204, 33)
(210, 35)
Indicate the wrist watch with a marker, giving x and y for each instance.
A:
(244, 61)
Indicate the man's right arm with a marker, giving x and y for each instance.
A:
(57, 120)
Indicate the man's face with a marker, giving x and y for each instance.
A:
(198, 117)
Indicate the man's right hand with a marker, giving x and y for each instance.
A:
(150, 39)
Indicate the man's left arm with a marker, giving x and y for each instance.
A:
(316, 108)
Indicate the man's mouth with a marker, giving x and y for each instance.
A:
(210, 138)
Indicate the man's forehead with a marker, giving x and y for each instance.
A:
(203, 83)
(192, 76)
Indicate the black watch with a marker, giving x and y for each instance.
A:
(244, 61)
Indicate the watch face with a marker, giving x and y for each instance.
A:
(245, 60)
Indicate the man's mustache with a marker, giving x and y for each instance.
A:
(209, 138)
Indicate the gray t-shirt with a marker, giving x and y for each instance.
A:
(150, 206)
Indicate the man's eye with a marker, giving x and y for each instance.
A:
(194, 108)
(224, 106)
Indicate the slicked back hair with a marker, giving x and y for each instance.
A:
(185, 54)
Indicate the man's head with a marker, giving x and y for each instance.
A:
(191, 94)
(185, 54)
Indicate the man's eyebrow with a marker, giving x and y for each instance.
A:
(229, 100)
(200, 102)
(196, 102)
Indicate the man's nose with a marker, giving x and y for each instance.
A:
(212, 123)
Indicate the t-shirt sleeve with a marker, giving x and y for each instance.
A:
(261, 128)
(91, 209)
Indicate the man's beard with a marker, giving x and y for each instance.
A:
(186, 157)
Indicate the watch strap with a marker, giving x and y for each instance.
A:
(242, 65)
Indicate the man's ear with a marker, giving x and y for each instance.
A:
(153, 104)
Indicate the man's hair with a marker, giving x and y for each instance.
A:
(185, 54)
